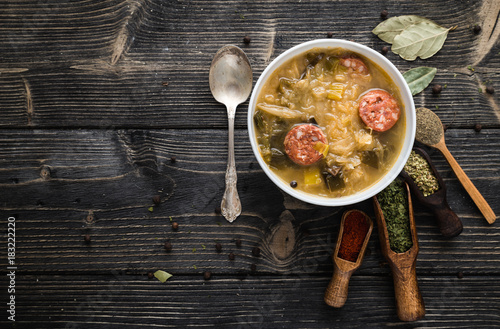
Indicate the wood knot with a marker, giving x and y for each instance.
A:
(283, 237)
(45, 172)
(90, 219)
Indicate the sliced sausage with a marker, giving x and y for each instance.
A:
(354, 63)
(299, 144)
(379, 110)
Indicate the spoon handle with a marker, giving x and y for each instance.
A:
(231, 205)
(336, 292)
(449, 223)
(468, 185)
(409, 302)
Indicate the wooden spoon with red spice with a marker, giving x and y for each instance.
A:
(355, 230)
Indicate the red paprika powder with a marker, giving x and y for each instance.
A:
(355, 229)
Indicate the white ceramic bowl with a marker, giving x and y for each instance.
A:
(406, 98)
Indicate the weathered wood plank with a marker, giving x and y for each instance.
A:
(113, 175)
(152, 30)
(291, 301)
(73, 98)
(103, 65)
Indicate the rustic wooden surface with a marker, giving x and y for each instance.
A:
(96, 97)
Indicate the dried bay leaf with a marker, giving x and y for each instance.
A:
(422, 40)
(390, 28)
(419, 78)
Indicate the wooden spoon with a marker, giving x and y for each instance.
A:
(336, 292)
(430, 132)
(409, 303)
(449, 223)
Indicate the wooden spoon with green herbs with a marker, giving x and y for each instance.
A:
(430, 132)
(399, 245)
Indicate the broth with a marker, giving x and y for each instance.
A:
(317, 87)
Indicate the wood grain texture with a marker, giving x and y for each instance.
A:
(104, 65)
(97, 97)
(118, 300)
(127, 236)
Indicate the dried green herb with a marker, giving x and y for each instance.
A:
(420, 40)
(162, 275)
(420, 171)
(412, 36)
(419, 78)
(394, 203)
(389, 29)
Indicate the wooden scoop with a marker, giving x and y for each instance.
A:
(435, 138)
(409, 302)
(336, 292)
(449, 223)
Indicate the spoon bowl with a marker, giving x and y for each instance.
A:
(230, 80)
(230, 76)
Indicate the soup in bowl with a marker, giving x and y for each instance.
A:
(331, 122)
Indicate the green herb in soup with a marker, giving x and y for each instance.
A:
(331, 121)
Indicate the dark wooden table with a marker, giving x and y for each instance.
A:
(106, 104)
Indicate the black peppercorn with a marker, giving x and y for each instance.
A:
(156, 199)
(384, 50)
(218, 210)
(490, 90)
(168, 246)
(293, 184)
(150, 275)
(477, 127)
(436, 89)
(231, 256)
(256, 251)
(218, 247)
(238, 243)
(86, 238)
(175, 226)
(173, 159)
(207, 275)
(476, 29)
(383, 14)
(246, 39)
(460, 275)
(329, 35)
(253, 267)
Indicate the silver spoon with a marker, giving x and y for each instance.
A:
(230, 81)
